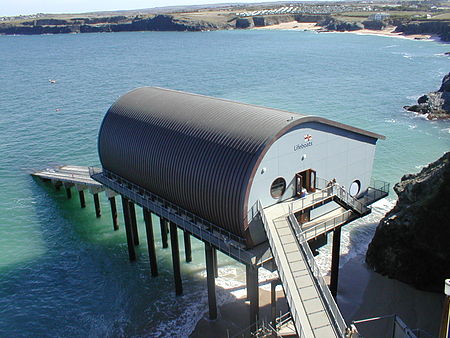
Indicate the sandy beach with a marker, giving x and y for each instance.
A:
(362, 294)
(311, 26)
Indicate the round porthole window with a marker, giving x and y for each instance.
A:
(278, 187)
(354, 188)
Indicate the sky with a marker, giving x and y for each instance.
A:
(25, 7)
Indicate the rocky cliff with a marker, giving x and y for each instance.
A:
(412, 242)
(440, 28)
(111, 24)
(436, 105)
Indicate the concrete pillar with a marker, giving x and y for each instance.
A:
(210, 281)
(134, 223)
(128, 228)
(82, 200)
(247, 278)
(58, 186)
(273, 303)
(216, 266)
(68, 193)
(175, 259)
(187, 247)
(150, 242)
(112, 202)
(98, 211)
(253, 292)
(163, 224)
(335, 261)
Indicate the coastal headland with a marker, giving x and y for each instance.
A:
(418, 21)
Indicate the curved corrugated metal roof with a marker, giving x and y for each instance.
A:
(195, 151)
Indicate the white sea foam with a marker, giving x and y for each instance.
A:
(230, 285)
(355, 237)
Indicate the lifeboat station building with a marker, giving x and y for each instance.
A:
(262, 185)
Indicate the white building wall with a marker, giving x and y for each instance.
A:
(332, 153)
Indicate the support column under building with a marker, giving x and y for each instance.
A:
(273, 303)
(128, 228)
(210, 281)
(98, 211)
(216, 266)
(82, 200)
(187, 247)
(335, 261)
(112, 202)
(175, 259)
(68, 193)
(163, 224)
(150, 242)
(134, 223)
(253, 293)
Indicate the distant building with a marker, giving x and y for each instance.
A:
(379, 16)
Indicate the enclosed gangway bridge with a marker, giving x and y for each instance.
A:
(314, 311)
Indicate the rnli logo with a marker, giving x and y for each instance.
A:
(308, 143)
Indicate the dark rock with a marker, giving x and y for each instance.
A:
(244, 23)
(332, 24)
(436, 105)
(374, 24)
(411, 242)
(440, 28)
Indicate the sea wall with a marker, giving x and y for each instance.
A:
(411, 243)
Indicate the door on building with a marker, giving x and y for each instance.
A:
(305, 180)
(298, 184)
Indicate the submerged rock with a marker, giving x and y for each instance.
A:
(412, 242)
(436, 105)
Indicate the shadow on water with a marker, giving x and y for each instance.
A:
(84, 285)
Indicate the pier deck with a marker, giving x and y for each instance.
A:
(69, 174)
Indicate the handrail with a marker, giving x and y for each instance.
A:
(289, 297)
(193, 223)
(400, 329)
(342, 195)
(320, 282)
(326, 225)
(377, 190)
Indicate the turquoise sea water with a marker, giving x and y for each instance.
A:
(65, 273)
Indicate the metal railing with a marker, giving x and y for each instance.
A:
(328, 299)
(377, 190)
(202, 229)
(261, 328)
(325, 226)
(342, 195)
(288, 294)
(387, 326)
(311, 199)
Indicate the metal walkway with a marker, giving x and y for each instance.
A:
(313, 309)
(72, 175)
